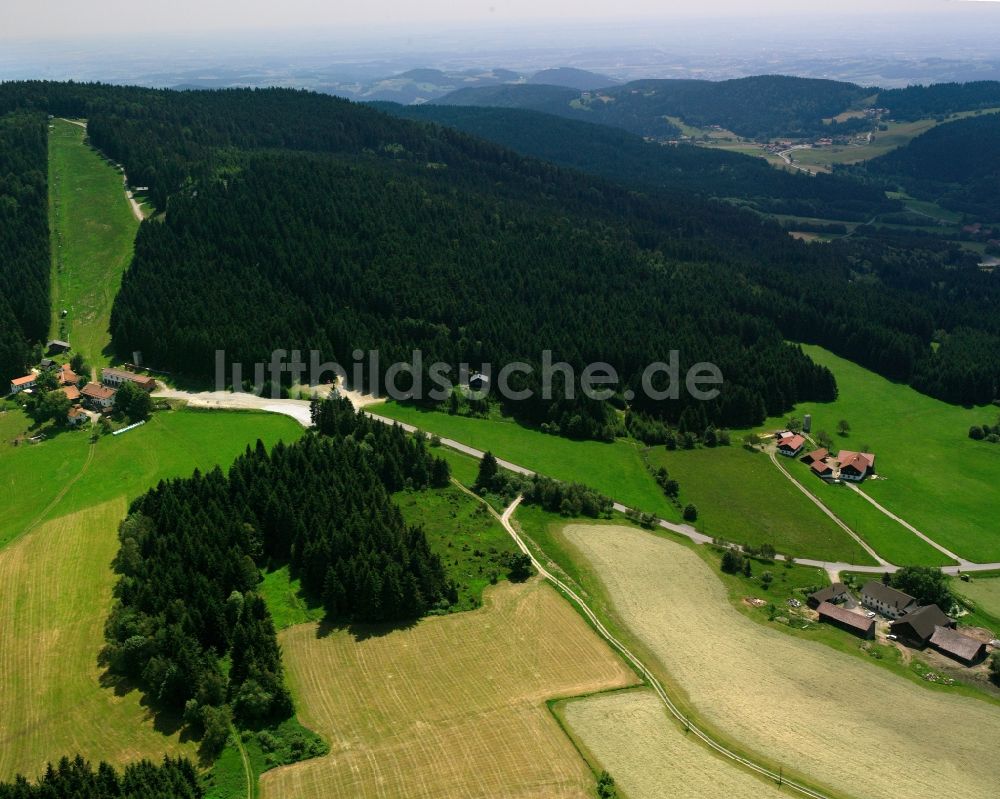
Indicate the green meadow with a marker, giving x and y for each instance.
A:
(931, 473)
(93, 232)
(616, 469)
(67, 473)
(742, 498)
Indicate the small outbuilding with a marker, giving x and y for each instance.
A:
(816, 455)
(834, 594)
(822, 470)
(855, 623)
(57, 347)
(963, 648)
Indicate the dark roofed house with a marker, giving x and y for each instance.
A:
(847, 620)
(790, 446)
(57, 347)
(886, 600)
(823, 470)
(963, 648)
(832, 593)
(48, 363)
(917, 626)
(816, 455)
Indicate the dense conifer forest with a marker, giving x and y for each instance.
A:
(956, 165)
(625, 157)
(77, 779)
(24, 240)
(192, 550)
(762, 106)
(298, 220)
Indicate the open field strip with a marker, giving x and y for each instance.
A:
(452, 706)
(614, 469)
(631, 735)
(56, 581)
(984, 592)
(171, 444)
(93, 232)
(742, 499)
(54, 697)
(931, 473)
(827, 716)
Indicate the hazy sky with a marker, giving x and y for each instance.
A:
(45, 19)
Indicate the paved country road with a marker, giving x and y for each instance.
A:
(299, 410)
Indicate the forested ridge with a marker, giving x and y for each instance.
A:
(298, 220)
(626, 158)
(956, 165)
(77, 779)
(762, 106)
(24, 240)
(189, 622)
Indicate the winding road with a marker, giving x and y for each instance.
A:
(299, 410)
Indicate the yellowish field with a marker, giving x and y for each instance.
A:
(856, 728)
(630, 735)
(52, 610)
(454, 706)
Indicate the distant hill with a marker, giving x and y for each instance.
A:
(627, 158)
(579, 79)
(956, 165)
(762, 106)
(920, 102)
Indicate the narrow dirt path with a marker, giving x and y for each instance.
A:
(58, 497)
(689, 728)
(247, 771)
(962, 562)
(836, 519)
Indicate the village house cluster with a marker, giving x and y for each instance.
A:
(918, 626)
(854, 467)
(88, 401)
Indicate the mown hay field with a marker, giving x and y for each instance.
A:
(54, 697)
(453, 706)
(852, 726)
(630, 734)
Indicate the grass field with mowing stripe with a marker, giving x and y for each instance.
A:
(171, 444)
(780, 696)
(631, 736)
(741, 497)
(615, 469)
(935, 476)
(55, 699)
(93, 233)
(452, 706)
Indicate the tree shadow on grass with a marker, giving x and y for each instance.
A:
(362, 632)
(166, 721)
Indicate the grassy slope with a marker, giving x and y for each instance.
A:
(57, 582)
(468, 539)
(936, 478)
(93, 232)
(54, 696)
(170, 445)
(614, 469)
(742, 498)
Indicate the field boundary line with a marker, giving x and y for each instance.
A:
(58, 497)
(926, 538)
(638, 665)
